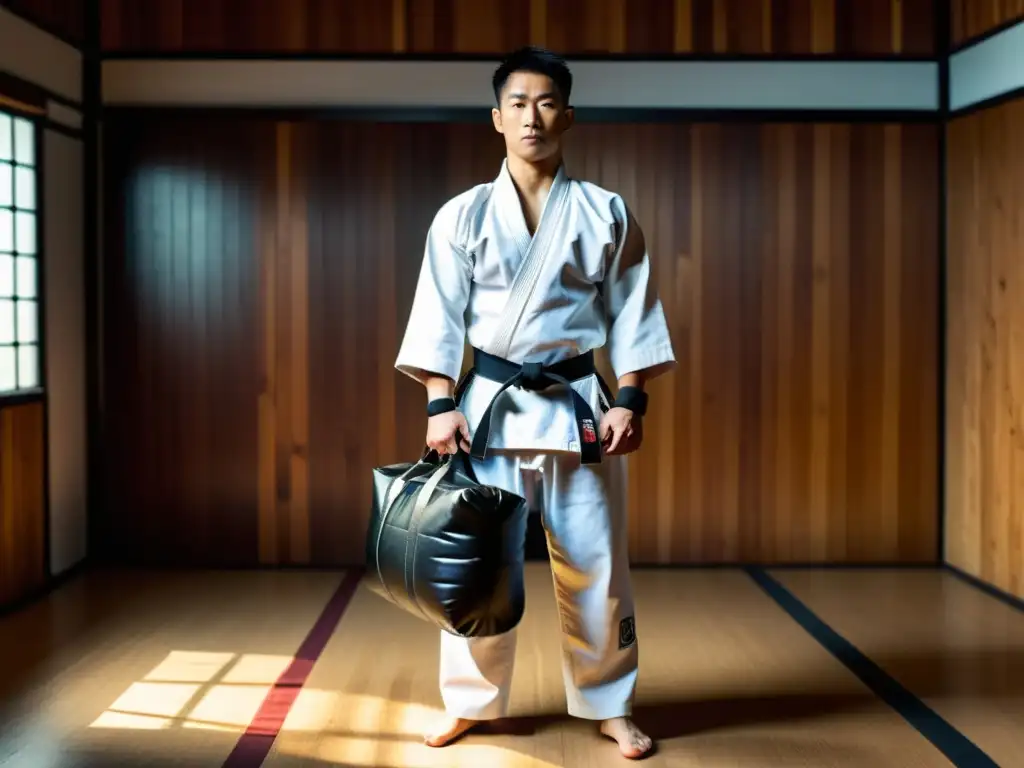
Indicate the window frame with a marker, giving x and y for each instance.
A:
(35, 115)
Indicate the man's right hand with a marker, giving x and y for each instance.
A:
(445, 429)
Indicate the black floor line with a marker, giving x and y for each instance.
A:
(973, 581)
(961, 751)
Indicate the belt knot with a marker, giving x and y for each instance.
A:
(533, 377)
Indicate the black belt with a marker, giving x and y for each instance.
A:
(535, 377)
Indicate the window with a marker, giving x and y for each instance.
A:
(19, 258)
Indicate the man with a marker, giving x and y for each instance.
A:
(536, 267)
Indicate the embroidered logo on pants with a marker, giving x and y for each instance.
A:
(627, 632)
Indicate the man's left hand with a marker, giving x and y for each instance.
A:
(621, 431)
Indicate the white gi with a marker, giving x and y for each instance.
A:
(589, 272)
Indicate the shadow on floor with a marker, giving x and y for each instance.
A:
(723, 725)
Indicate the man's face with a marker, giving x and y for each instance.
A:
(532, 116)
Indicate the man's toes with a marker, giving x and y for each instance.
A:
(448, 733)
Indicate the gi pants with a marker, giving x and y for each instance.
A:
(584, 514)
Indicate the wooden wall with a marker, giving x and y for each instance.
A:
(259, 275)
(843, 27)
(985, 392)
(63, 18)
(972, 18)
(22, 506)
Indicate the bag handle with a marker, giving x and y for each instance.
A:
(400, 482)
(444, 464)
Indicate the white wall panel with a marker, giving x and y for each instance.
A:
(850, 85)
(65, 348)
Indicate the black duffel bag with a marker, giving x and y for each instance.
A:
(446, 548)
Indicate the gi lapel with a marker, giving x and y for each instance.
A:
(536, 253)
(510, 209)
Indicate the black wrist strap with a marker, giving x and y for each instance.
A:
(632, 398)
(440, 405)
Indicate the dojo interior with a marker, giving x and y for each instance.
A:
(212, 215)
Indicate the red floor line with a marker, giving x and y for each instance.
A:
(254, 745)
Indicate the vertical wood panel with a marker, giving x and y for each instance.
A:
(984, 532)
(22, 502)
(840, 319)
(187, 218)
(892, 350)
(267, 402)
(783, 27)
(297, 229)
(971, 18)
(64, 18)
(797, 262)
(283, 408)
(821, 338)
(284, 401)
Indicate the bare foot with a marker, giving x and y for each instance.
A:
(633, 743)
(449, 731)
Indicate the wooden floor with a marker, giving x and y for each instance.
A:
(773, 669)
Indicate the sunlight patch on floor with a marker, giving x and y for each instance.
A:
(224, 692)
(196, 690)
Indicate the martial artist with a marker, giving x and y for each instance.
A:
(537, 267)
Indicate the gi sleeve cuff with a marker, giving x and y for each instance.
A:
(418, 365)
(633, 360)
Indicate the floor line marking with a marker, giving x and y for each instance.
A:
(255, 743)
(960, 750)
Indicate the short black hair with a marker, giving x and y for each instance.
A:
(538, 60)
